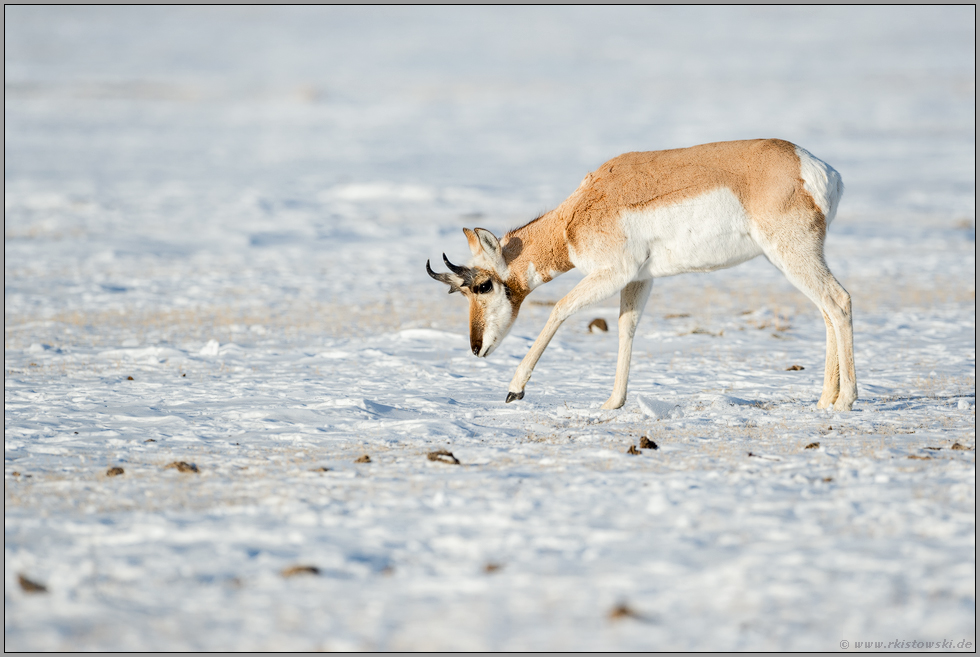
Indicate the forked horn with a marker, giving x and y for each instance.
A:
(454, 281)
(463, 272)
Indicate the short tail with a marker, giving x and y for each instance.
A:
(835, 188)
(822, 182)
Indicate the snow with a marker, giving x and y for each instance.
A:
(234, 206)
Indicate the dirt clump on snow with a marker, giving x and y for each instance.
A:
(30, 586)
(623, 610)
(443, 456)
(300, 569)
(182, 466)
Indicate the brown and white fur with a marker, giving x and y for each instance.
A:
(645, 215)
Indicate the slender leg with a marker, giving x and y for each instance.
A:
(632, 300)
(844, 328)
(593, 288)
(831, 373)
(806, 268)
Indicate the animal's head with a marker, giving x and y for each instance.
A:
(493, 303)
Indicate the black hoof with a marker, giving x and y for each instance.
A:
(511, 396)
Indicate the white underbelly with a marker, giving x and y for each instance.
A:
(704, 233)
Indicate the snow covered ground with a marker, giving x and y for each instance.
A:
(216, 225)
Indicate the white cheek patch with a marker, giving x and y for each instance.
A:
(497, 320)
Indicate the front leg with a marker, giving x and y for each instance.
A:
(632, 300)
(590, 290)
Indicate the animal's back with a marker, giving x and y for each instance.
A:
(699, 208)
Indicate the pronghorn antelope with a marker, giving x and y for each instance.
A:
(644, 215)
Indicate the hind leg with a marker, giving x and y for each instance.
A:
(831, 373)
(840, 312)
(840, 380)
(805, 268)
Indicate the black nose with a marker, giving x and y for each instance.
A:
(476, 348)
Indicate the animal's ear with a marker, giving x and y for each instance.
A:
(488, 242)
(474, 242)
(490, 247)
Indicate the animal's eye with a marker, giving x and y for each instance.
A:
(484, 287)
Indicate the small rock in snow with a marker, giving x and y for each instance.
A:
(293, 571)
(598, 325)
(623, 610)
(443, 456)
(182, 466)
(30, 586)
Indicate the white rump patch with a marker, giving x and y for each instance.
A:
(822, 182)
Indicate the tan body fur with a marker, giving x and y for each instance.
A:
(645, 215)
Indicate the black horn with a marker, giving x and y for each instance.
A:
(450, 280)
(465, 272)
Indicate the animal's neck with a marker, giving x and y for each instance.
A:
(537, 252)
